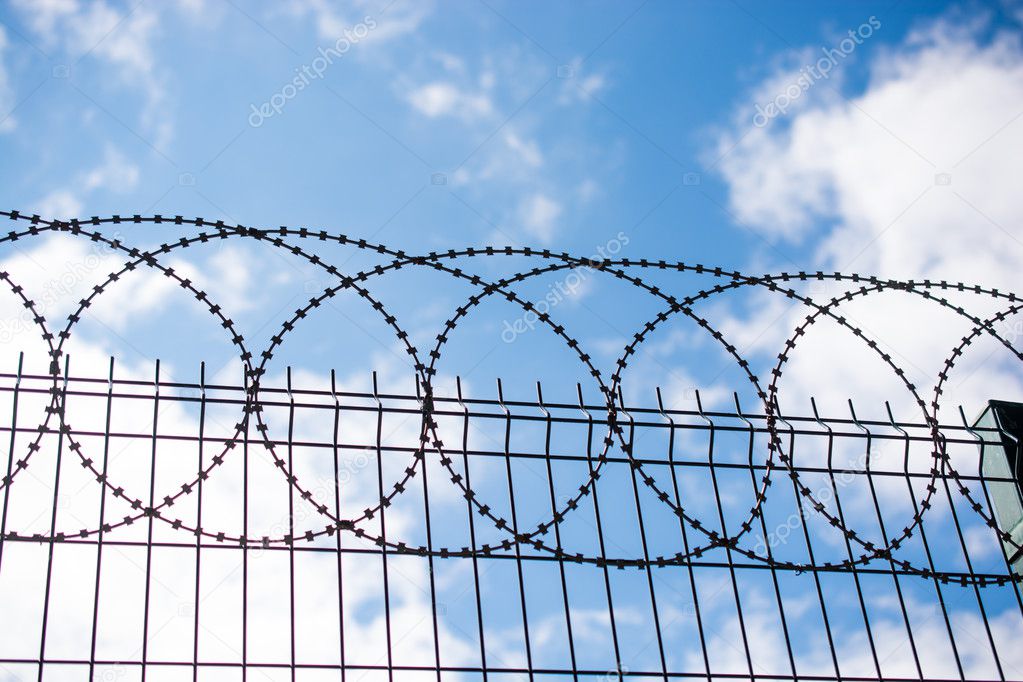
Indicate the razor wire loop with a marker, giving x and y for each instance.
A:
(950, 361)
(940, 457)
(872, 552)
(433, 261)
(55, 373)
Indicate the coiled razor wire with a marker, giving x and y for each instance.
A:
(430, 443)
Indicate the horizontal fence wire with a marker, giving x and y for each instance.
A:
(337, 541)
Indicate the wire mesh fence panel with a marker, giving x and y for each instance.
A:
(296, 526)
(151, 529)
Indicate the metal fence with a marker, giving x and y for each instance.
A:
(154, 530)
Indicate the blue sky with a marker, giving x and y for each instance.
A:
(483, 124)
(703, 132)
(648, 87)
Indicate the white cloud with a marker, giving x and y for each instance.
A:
(578, 87)
(57, 272)
(60, 203)
(539, 215)
(593, 83)
(927, 107)
(587, 190)
(511, 158)
(396, 19)
(230, 272)
(768, 649)
(114, 174)
(196, 9)
(451, 62)
(123, 40)
(509, 162)
(527, 150)
(95, 28)
(445, 99)
(913, 178)
(46, 14)
(7, 103)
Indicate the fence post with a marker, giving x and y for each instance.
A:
(1000, 429)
